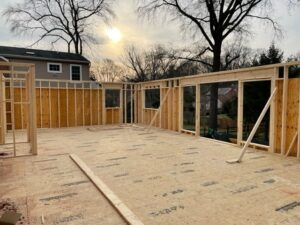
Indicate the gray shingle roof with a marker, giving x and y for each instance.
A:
(26, 53)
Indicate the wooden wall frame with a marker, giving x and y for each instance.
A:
(10, 84)
(262, 73)
(83, 94)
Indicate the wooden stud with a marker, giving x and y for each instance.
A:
(292, 144)
(125, 104)
(91, 105)
(131, 104)
(240, 112)
(58, 103)
(41, 105)
(284, 109)
(198, 108)
(180, 109)
(272, 139)
(2, 110)
(103, 107)
(67, 100)
(76, 107)
(143, 105)
(159, 109)
(32, 112)
(21, 103)
(50, 105)
(98, 109)
(83, 112)
(121, 107)
(12, 109)
(298, 149)
(161, 106)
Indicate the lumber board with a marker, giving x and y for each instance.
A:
(120, 206)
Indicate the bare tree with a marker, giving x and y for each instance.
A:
(214, 21)
(153, 64)
(135, 61)
(68, 21)
(108, 71)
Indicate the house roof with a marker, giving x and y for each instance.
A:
(37, 54)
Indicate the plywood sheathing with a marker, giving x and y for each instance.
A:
(61, 107)
(52, 187)
(291, 117)
(164, 177)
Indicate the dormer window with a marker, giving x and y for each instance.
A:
(54, 68)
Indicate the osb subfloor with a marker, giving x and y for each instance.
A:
(163, 177)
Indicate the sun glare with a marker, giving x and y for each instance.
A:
(114, 34)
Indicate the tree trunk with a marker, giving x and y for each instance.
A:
(213, 110)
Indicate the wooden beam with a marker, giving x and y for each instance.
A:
(12, 109)
(125, 104)
(198, 108)
(131, 104)
(240, 112)
(159, 109)
(67, 102)
(120, 206)
(260, 118)
(272, 121)
(103, 107)
(284, 109)
(143, 103)
(121, 106)
(170, 108)
(91, 105)
(58, 103)
(292, 144)
(2, 110)
(83, 105)
(75, 104)
(98, 108)
(41, 104)
(298, 149)
(161, 90)
(50, 104)
(32, 112)
(180, 108)
(21, 103)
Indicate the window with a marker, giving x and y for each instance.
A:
(112, 98)
(218, 113)
(256, 94)
(75, 72)
(189, 107)
(54, 68)
(152, 98)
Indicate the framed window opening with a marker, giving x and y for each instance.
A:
(189, 108)
(218, 118)
(152, 98)
(255, 96)
(112, 98)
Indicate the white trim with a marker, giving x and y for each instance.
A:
(53, 63)
(71, 65)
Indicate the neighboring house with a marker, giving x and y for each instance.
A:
(225, 94)
(50, 65)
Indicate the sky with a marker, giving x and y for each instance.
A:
(144, 34)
